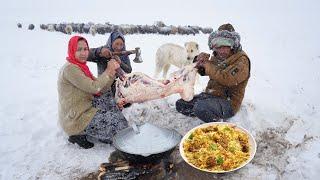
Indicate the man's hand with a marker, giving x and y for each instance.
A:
(105, 52)
(113, 65)
(121, 103)
(203, 57)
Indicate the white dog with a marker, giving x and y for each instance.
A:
(174, 54)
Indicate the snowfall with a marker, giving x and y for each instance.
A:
(280, 108)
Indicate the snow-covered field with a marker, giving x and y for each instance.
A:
(280, 108)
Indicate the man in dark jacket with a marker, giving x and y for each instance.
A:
(228, 70)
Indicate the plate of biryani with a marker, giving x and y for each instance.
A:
(218, 147)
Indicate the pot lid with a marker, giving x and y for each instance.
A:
(150, 140)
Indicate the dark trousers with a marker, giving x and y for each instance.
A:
(206, 107)
(108, 120)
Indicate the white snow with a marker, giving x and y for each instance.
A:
(280, 108)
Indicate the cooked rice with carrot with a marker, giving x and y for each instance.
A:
(217, 148)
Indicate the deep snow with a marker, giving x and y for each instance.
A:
(280, 108)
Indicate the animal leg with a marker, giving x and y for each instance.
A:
(157, 71)
(159, 64)
(165, 70)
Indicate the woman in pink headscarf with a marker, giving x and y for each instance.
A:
(78, 90)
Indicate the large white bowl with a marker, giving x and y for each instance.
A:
(252, 144)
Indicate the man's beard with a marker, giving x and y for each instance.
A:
(221, 58)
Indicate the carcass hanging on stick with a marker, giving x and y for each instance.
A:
(138, 87)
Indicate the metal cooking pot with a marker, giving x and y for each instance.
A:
(151, 143)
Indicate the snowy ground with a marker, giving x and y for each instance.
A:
(280, 108)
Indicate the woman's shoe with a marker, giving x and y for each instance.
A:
(106, 141)
(81, 140)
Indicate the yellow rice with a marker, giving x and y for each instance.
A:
(217, 148)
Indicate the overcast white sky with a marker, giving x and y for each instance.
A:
(197, 12)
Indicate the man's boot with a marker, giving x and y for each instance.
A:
(81, 140)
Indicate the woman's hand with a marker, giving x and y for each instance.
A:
(105, 52)
(113, 65)
(117, 58)
(121, 103)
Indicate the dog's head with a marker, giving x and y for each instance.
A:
(192, 49)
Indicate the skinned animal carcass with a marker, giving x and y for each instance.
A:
(138, 87)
